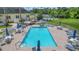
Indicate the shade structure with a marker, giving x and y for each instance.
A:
(38, 45)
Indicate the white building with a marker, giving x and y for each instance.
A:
(13, 17)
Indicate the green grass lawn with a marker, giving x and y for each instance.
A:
(70, 23)
(0, 32)
(5, 26)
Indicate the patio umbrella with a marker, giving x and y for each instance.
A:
(17, 25)
(38, 45)
(74, 34)
(7, 32)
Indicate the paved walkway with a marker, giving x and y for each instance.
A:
(59, 36)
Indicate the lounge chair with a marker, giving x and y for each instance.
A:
(49, 25)
(69, 31)
(24, 26)
(34, 49)
(77, 38)
(8, 39)
(72, 34)
(77, 45)
(59, 27)
(18, 30)
(70, 47)
(2, 42)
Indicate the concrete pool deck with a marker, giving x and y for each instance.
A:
(59, 36)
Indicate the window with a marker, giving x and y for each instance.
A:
(17, 16)
(8, 17)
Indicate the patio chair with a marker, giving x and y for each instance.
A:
(49, 25)
(59, 27)
(78, 38)
(34, 49)
(24, 26)
(70, 47)
(8, 41)
(18, 31)
(77, 46)
(2, 41)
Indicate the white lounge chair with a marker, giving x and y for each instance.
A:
(59, 27)
(70, 47)
(8, 39)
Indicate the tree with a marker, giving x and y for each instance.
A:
(60, 12)
(39, 17)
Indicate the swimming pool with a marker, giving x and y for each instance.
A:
(38, 33)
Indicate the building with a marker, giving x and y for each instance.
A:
(46, 17)
(14, 17)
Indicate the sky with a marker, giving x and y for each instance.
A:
(28, 8)
(31, 8)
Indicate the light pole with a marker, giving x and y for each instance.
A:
(5, 19)
(20, 13)
(4, 15)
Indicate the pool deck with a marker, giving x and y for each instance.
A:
(59, 36)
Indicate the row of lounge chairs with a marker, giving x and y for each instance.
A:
(59, 27)
(20, 27)
(5, 38)
(9, 37)
(73, 41)
(72, 47)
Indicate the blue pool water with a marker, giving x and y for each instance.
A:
(38, 33)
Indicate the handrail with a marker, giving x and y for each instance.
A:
(17, 43)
